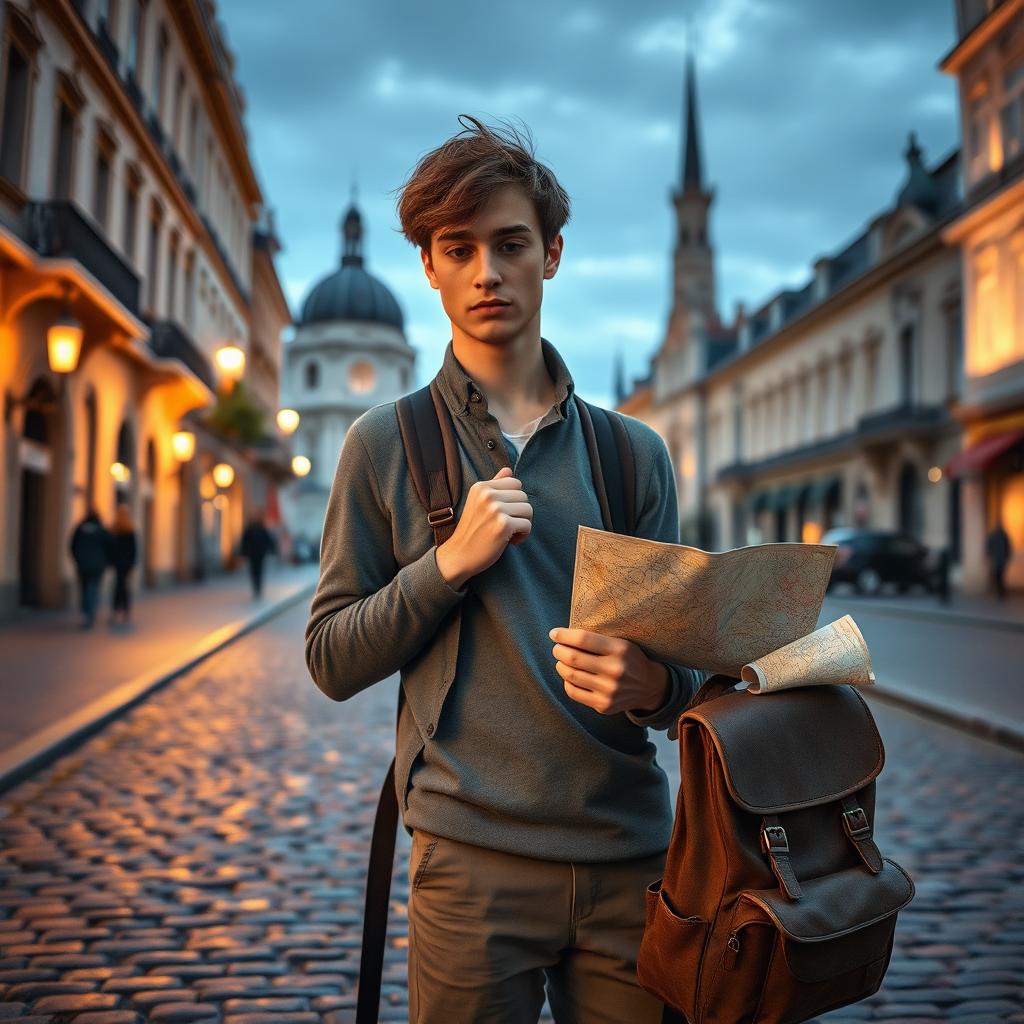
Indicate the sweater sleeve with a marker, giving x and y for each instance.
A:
(369, 616)
(658, 519)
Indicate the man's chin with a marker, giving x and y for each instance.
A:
(492, 332)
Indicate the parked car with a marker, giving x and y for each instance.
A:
(871, 558)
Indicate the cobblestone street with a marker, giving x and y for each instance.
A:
(204, 857)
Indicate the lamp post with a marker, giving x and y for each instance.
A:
(231, 363)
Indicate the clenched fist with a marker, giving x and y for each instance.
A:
(497, 513)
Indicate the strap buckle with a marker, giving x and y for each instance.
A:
(855, 822)
(440, 516)
(774, 839)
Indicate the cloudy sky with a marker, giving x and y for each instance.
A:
(805, 108)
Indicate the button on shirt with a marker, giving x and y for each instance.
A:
(491, 750)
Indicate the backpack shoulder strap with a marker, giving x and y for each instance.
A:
(612, 465)
(432, 454)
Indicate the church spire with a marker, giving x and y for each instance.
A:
(692, 175)
(352, 237)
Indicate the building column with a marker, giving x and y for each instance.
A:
(974, 566)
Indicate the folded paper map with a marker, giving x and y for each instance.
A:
(720, 611)
(836, 653)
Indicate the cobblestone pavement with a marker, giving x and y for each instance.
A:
(203, 859)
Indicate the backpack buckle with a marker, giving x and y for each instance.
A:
(440, 516)
(855, 821)
(774, 839)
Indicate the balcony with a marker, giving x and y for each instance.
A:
(59, 229)
(883, 429)
(169, 340)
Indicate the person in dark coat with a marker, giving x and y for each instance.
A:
(123, 554)
(90, 548)
(257, 543)
(997, 547)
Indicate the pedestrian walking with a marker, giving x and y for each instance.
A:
(90, 549)
(537, 809)
(123, 553)
(257, 543)
(998, 549)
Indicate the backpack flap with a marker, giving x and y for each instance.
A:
(792, 749)
(844, 921)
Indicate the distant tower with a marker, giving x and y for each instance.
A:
(619, 378)
(693, 304)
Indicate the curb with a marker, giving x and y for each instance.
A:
(62, 736)
(958, 716)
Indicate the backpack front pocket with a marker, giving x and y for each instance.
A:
(671, 951)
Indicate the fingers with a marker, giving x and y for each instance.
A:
(584, 640)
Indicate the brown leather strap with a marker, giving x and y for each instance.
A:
(775, 843)
(714, 686)
(858, 831)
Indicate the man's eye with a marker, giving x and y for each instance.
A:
(513, 246)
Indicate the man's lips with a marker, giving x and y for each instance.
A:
(490, 304)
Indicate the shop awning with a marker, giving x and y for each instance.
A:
(980, 455)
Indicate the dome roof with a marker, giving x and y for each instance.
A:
(351, 292)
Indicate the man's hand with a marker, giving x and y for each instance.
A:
(497, 513)
(608, 674)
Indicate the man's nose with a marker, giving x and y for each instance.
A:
(487, 274)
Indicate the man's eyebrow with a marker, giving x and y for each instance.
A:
(467, 236)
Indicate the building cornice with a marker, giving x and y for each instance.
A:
(979, 36)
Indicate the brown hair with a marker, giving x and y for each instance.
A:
(450, 184)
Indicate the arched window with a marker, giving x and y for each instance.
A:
(312, 375)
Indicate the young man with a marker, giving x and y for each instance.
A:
(537, 810)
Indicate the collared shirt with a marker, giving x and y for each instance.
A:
(491, 750)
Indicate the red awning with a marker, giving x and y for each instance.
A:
(982, 453)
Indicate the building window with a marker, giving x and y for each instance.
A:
(361, 378)
(134, 49)
(193, 135)
(870, 376)
(176, 113)
(190, 298)
(312, 375)
(954, 352)
(131, 214)
(63, 152)
(107, 17)
(159, 66)
(172, 277)
(907, 364)
(101, 178)
(15, 113)
(1012, 113)
(978, 118)
(153, 259)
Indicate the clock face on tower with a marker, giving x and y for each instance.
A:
(361, 378)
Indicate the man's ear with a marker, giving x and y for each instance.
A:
(553, 257)
(428, 268)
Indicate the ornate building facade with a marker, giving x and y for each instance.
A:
(130, 217)
(827, 404)
(988, 62)
(348, 354)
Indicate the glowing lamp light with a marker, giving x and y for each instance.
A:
(231, 361)
(301, 465)
(184, 445)
(63, 344)
(935, 474)
(287, 420)
(207, 488)
(120, 472)
(221, 501)
(223, 474)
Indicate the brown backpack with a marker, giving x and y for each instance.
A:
(775, 905)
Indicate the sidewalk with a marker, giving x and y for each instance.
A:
(60, 683)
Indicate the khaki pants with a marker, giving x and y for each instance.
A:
(487, 928)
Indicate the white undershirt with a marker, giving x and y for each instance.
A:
(523, 434)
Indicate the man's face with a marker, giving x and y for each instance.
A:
(497, 256)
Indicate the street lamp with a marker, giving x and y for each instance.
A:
(223, 474)
(287, 420)
(184, 445)
(301, 465)
(230, 362)
(120, 472)
(64, 341)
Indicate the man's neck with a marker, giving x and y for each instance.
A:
(512, 375)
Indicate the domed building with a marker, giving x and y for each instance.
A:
(349, 353)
